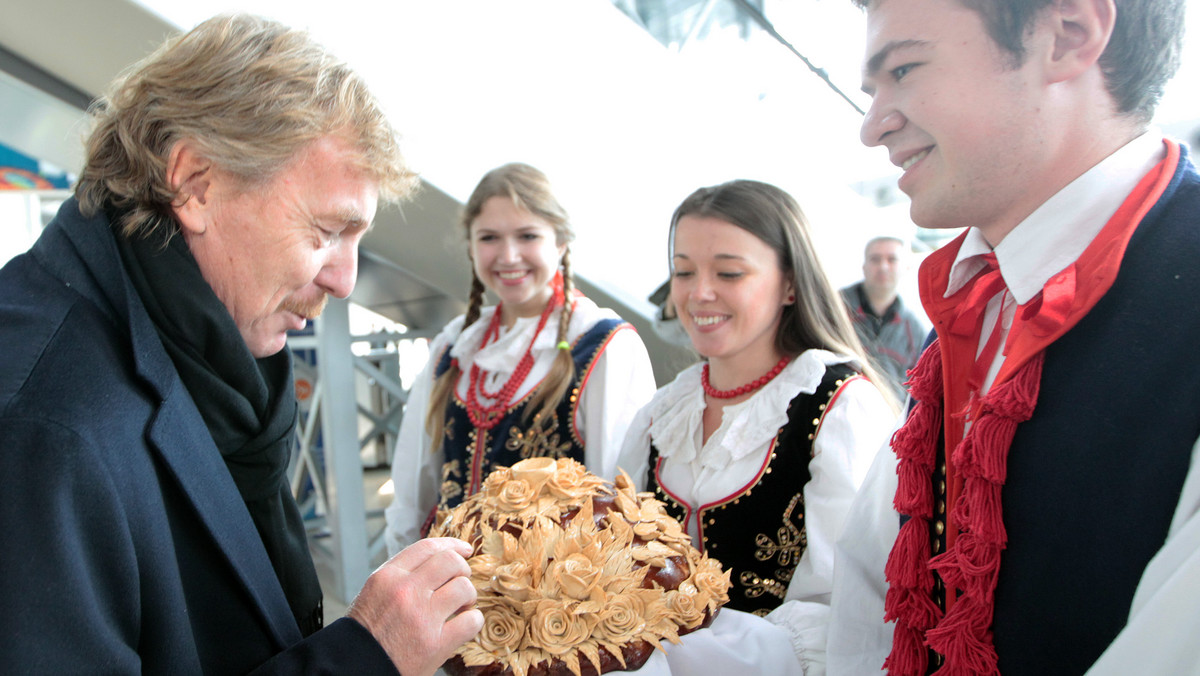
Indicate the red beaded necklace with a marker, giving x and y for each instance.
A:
(744, 389)
(487, 417)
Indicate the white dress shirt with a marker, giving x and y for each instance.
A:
(1053, 236)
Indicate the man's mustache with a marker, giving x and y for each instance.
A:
(309, 309)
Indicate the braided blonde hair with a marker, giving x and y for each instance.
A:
(529, 189)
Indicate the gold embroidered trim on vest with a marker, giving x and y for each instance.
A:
(756, 586)
(791, 544)
(540, 440)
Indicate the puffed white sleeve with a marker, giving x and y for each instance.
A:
(735, 643)
(856, 423)
(415, 470)
(620, 383)
(635, 450)
(859, 639)
(1160, 637)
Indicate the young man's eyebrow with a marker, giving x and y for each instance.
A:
(871, 69)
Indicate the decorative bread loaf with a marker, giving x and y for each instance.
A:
(576, 575)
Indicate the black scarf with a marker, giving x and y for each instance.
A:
(248, 404)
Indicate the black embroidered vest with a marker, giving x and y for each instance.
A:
(471, 454)
(758, 531)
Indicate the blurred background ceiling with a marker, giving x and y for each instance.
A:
(628, 106)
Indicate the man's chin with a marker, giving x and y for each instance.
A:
(266, 346)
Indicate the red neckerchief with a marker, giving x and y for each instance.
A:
(977, 464)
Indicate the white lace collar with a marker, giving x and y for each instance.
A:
(501, 356)
(677, 412)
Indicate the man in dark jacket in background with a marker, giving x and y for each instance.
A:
(889, 331)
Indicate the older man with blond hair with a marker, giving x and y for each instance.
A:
(147, 408)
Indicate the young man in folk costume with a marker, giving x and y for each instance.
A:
(1047, 487)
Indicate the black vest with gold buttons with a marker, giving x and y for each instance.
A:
(471, 454)
(758, 531)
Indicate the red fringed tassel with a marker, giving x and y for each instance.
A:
(979, 511)
(978, 565)
(925, 378)
(972, 564)
(1016, 397)
(964, 638)
(916, 454)
(914, 604)
(913, 496)
(915, 443)
(908, 600)
(905, 568)
(946, 565)
(910, 441)
(909, 656)
(987, 454)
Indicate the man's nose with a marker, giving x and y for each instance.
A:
(340, 271)
(881, 119)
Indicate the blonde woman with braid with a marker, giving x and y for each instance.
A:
(546, 372)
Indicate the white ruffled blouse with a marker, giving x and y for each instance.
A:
(621, 381)
(855, 426)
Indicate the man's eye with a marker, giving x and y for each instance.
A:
(899, 72)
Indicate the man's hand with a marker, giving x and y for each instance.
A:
(419, 605)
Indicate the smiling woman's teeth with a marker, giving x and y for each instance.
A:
(511, 275)
(706, 321)
(914, 159)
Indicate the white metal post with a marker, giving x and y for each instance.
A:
(343, 466)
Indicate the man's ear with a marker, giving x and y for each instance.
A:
(1082, 29)
(190, 176)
